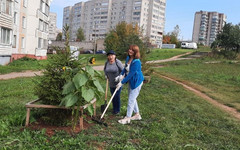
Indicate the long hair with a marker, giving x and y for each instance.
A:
(136, 50)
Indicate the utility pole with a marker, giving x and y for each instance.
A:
(95, 40)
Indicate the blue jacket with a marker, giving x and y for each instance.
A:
(135, 75)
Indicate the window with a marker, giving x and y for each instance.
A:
(137, 2)
(15, 17)
(104, 4)
(23, 42)
(41, 6)
(6, 7)
(25, 3)
(5, 36)
(137, 7)
(23, 22)
(136, 13)
(46, 9)
(40, 42)
(40, 26)
(14, 41)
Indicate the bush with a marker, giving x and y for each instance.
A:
(224, 54)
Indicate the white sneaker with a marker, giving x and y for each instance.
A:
(126, 120)
(136, 117)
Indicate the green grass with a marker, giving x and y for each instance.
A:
(173, 118)
(100, 58)
(219, 79)
(158, 54)
(31, 64)
(22, 65)
(204, 49)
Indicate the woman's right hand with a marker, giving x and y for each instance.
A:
(119, 78)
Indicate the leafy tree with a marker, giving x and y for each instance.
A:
(80, 35)
(228, 41)
(229, 38)
(121, 37)
(125, 35)
(172, 37)
(166, 39)
(59, 37)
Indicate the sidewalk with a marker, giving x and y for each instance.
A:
(30, 73)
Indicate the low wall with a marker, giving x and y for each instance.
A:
(82, 45)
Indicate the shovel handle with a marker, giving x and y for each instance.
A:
(106, 91)
(109, 102)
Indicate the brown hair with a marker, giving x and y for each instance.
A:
(136, 50)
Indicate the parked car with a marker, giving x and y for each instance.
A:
(88, 52)
(75, 52)
(101, 52)
(191, 45)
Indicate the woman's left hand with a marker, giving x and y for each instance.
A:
(119, 85)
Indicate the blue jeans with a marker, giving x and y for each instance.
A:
(116, 100)
(132, 100)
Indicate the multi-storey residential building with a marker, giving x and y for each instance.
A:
(52, 33)
(206, 26)
(6, 30)
(24, 29)
(98, 17)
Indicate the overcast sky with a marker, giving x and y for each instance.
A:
(178, 12)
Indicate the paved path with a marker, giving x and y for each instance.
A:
(30, 73)
(34, 73)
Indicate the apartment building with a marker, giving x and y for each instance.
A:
(52, 33)
(24, 29)
(206, 26)
(6, 30)
(98, 17)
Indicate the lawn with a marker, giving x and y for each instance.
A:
(158, 54)
(100, 58)
(220, 79)
(173, 118)
(32, 64)
(22, 65)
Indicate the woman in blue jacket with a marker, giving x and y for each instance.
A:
(132, 73)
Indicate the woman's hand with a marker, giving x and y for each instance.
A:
(119, 78)
(119, 85)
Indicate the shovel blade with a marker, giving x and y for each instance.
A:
(103, 107)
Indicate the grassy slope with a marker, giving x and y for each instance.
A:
(21, 65)
(173, 118)
(158, 54)
(219, 80)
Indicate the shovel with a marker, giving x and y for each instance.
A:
(99, 121)
(105, 104)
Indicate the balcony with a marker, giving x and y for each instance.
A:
(201, 38)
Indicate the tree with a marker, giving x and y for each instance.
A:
(176, 31)
(120, 38)
(228, 39)
(166, 39)
(80, 35)
(59, 37)
(171, 38)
